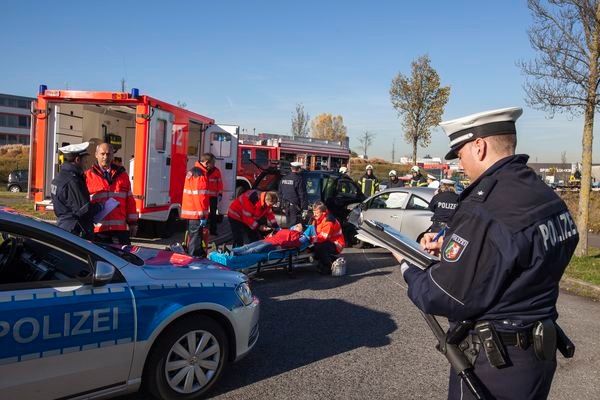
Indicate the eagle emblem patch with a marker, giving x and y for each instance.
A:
(455, 248)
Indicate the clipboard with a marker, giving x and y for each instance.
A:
(109, 205)
(395, 241)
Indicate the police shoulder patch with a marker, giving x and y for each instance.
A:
(455, 248)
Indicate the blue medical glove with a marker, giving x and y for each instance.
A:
(203, 223)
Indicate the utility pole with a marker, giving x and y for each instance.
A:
(122, 84)
(393, 150)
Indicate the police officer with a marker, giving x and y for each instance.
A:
(502, 257)
(70, 196)
(443, 205)
(292, 193)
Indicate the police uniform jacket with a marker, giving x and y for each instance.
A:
(117, 187)
(195, 203)
(71, 200)
(292, 189)
(443, 205)
(504, 252)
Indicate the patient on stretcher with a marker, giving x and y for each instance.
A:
(292, 238)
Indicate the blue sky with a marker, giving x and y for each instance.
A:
(250, 62)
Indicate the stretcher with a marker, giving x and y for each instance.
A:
(253, 264)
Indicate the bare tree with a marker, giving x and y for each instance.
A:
(181, 104)
(420, 100)
(565, 74)
(563, 157)
(300, 122)
(366, 140)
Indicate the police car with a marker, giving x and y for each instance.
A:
(78, 320)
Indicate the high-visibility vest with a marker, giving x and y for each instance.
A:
(329, 230)
(249, 207)
(215, 182)
(195, 202)
(117, 187)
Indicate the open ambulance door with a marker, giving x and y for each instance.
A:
(158, 170)
(222, 141)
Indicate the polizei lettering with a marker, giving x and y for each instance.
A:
(557, 229)
(447, 206)
(28, 329)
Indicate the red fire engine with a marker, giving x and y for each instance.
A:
(155, 141)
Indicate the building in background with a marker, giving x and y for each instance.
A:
(15, 119)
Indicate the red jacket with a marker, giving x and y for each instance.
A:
(117, 187)
(215, 183)
(195, 202)
(329, 229)
(286, 238)
(249, 207)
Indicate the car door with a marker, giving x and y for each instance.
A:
(60, 335)
(416, 218)
(387, 207)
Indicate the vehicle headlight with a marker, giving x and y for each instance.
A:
(244, 293)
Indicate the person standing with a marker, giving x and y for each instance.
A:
(215, 192)
(195, 204)
(418, 179)
(432, 182)
(328, 240)
(292, 194)
(394, 181)
(245, 213)
(108, 182)
(443, 205)
(502, 257)
(369, 184)
(70, 196)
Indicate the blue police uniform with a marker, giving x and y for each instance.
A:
(504, 252)
(292, 193)
(71, 201)
(442, 205)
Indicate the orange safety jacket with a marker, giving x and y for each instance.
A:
(215, 183)
(329, 230)
(118, 187)
(249, 207)
(195, 203)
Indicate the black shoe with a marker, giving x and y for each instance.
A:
(214, 233)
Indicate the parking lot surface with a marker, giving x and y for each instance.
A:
(359, 337)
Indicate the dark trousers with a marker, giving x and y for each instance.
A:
(326, 253)
(293, 216)
(212, 215)
(242, 233)
(194, 239)
(113, 237)
(527, 378)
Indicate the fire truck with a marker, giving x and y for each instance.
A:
(155, 141)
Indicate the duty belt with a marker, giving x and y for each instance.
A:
(520, 339)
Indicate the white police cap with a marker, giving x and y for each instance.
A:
(296, 164)
(448, 182)
(431, 177)
(343, 170)
(79, 149)
(488, 123)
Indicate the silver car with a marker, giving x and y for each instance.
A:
(80, 320)
(405, 209)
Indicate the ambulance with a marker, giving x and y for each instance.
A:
(155, 141)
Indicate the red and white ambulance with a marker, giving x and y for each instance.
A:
(155, 141)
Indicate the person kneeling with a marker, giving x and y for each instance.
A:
(328, 240)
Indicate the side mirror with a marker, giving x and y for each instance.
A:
(103, 273)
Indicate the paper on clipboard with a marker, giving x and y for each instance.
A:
(109, 205)
(385, 236)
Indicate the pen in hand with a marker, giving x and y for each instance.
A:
(439, 235)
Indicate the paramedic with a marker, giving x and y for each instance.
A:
(328, 240)
(245, 212)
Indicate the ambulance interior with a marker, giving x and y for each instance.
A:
(77, 123)
(194, 143)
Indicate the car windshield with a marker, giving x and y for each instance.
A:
(125, 255)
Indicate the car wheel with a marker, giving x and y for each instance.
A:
(14, 188)
(187, 360)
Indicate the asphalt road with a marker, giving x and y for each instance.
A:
(359, 337)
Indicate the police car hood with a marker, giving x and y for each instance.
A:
(163, 264)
